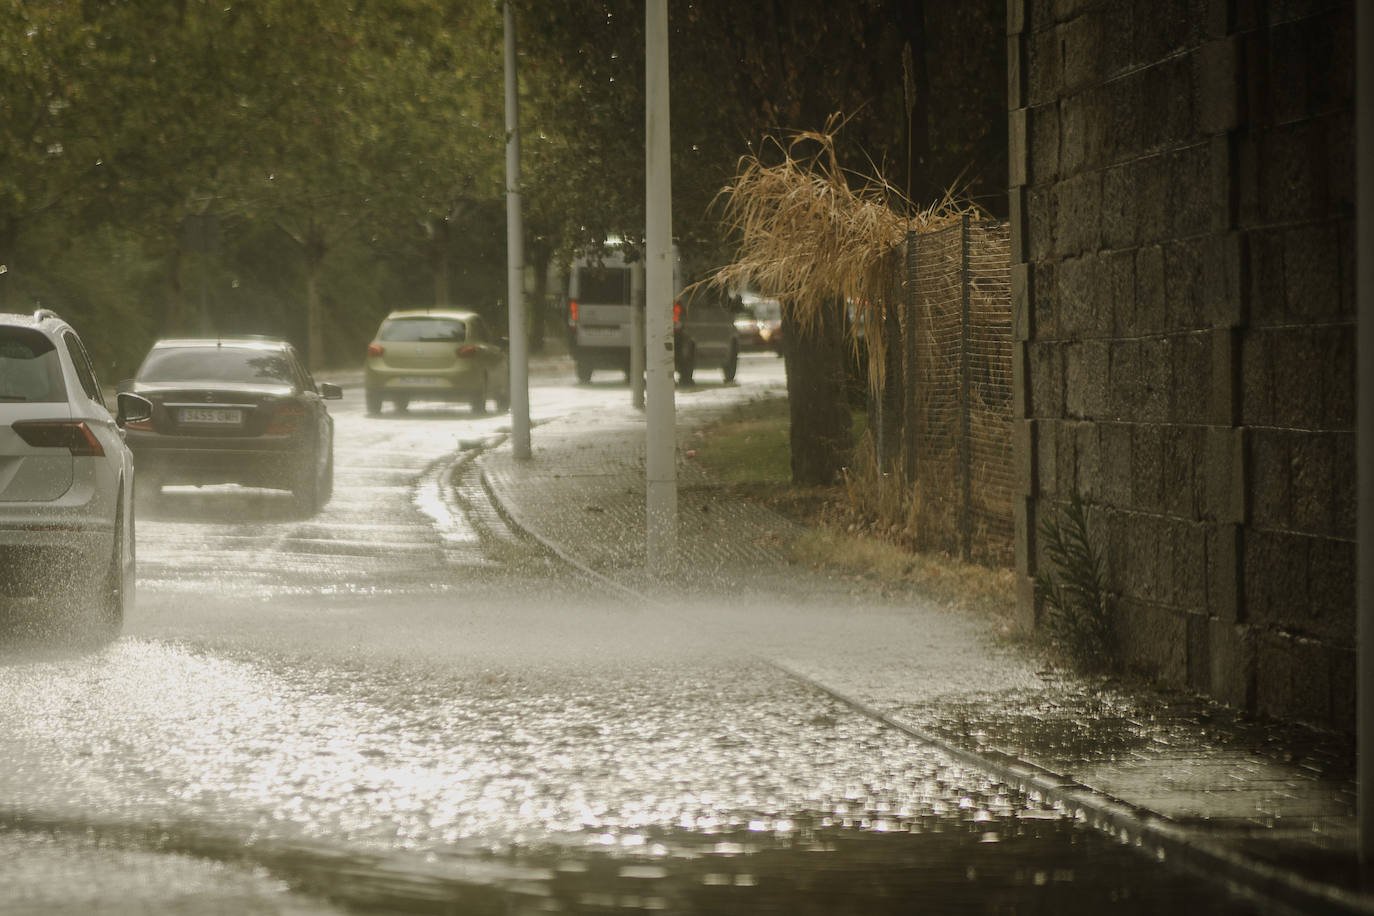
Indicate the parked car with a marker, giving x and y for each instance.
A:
(759, 324)
(436, 355)
(705, 338)
(66, 476)
(240, 410)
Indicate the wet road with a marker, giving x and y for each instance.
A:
(401, 705)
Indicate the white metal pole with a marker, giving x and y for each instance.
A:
(660, 463)
(1364, 421)
(637, 335)
(515, 260)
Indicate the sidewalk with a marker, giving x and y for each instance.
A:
(1269, 807)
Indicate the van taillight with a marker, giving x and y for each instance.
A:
(677, 314)
(469, 350)
(75, 436)
(572, 312)
(375, 350)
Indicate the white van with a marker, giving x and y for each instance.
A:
(603, 288)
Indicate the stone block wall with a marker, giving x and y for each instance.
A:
(1182, 207)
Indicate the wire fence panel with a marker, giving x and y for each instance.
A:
(956, 334)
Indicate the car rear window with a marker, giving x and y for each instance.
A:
(606, 285)
(30, 369)
(216, 364)
(409, 330)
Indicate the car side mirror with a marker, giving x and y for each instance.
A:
(330, 392)
(132, 408)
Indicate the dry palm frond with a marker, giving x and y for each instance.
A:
(809, 239)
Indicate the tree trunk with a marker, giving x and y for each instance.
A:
(539, 255)
(822, 442)
(438, 254)
(314, 250)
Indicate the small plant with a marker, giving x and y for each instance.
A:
(1077, 605)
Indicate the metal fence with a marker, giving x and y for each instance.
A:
(950, 370)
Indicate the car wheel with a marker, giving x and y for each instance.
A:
(584, 373)
(731, 364)
(478, 399)
(687, 367)
(503, 401)
(306, 488)
(402, 404)
(327, 480)
(374, 401)
(117, 586)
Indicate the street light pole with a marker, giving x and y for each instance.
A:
(515, 259)
(660, 458)
(1364, 422)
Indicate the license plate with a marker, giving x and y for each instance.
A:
(420, 381)
(221, 415)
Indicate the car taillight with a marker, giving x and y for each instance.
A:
(73, 435)
(677, 314)
(375, 350)
(286, 419)
(572, 312)
(469, 350)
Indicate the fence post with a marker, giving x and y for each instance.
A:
(909, 360)
(965, 399)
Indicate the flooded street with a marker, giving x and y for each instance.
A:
(403, 705)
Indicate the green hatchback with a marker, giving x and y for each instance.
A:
(436, 355)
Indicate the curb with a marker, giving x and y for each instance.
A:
(1158, 835)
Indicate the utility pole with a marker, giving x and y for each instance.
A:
(660, 457)
(515, 259)
(1364, 422)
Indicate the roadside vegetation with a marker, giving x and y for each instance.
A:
(748, 450)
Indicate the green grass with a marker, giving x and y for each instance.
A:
(750, 445)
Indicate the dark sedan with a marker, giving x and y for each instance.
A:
(238, 410)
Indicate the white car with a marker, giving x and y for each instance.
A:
(66, 476)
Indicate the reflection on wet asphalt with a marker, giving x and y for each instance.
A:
(401, 706)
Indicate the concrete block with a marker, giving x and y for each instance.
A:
(1078, 212)
(1190, 371)
(1044, 67)
(1312, 482)
(1192, 191)
(1224, 474)
(1180, 450)
(1154, 640)
(1023, 535)
(1311, 272)
(1342, 663)
(1016, 71)
(1217, 81)
(1331, 585)
(1020, 302)
(1124, 379)
(1047, 379)
(1120, 227)
(1118, 268)
(1081, 44)
(1154, 199)
(1344, 499)
(1042, 223)
(1021, 406)
(1017, 218)
(1114, 444)
(1046, 458)
(1256, 380)
(1231, 654)
(1223, 573)
(1274, 577)
(1183, 269)
(1269, 488)
(1337, 368)
(1147, 469)
(1023, 437)
(1155, 380)
(1223, 297)
(1222, 400)
(1087, 462)
(1093, 379)
(1043, 156)
(1199, 661)
(1149, 291)
(1221, 156)
(1018, 148)
(1044, 292)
